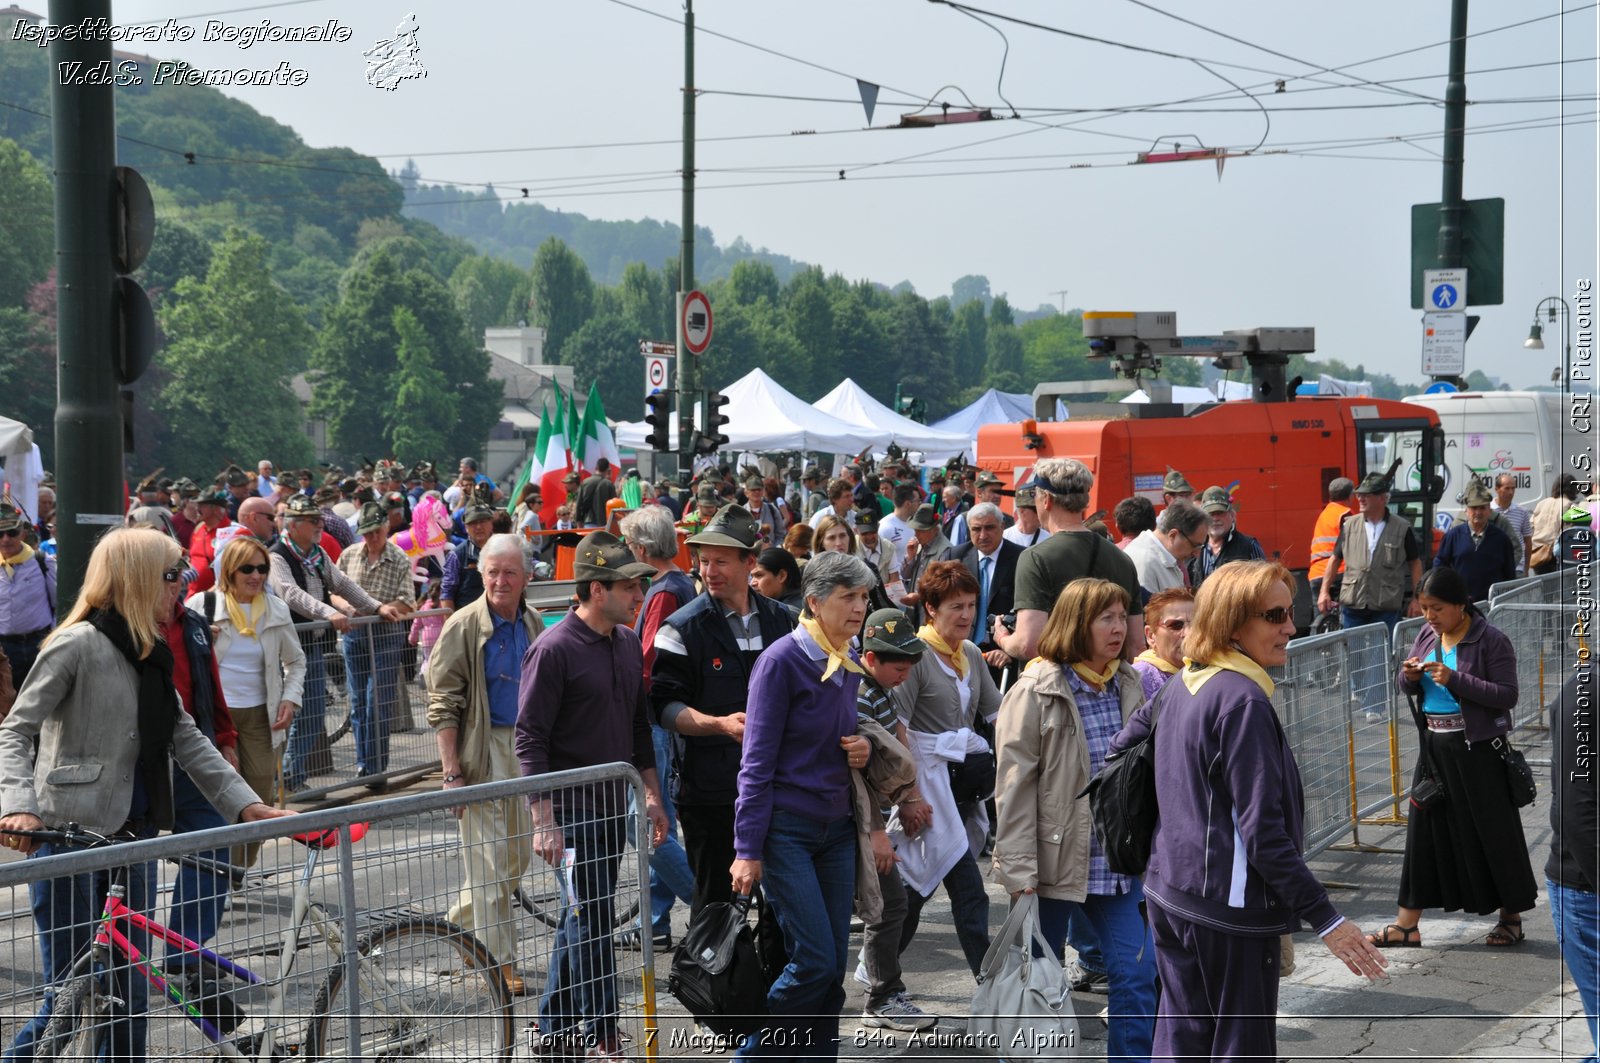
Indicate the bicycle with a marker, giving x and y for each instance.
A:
(428, 989)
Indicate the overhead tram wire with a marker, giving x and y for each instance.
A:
(229, 11)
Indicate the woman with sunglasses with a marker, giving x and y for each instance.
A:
(1227, 874)
(102, 712)
(1469, 853)
(1167, 615)
(1054, 730)
(259, 657)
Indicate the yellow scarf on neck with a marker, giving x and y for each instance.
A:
(245, 617)
(1151, 657)
(1098, 680)
(838, 656)
(23, 557)
(958, 659)
(1195, 677)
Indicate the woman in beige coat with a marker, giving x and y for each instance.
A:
(1053, 733)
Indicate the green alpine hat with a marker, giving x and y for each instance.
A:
(602, 556)
(732, 526)
(891, 631)
(373, 516)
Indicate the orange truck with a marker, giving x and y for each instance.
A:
(1275, 457)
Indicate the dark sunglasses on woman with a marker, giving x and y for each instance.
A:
(253, 570)
(1279, 615)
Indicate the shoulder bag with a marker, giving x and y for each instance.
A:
(1022, 1008)
(1122, 800)
(1519, 777)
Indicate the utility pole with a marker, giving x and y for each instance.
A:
(688, 364)
(1455, 121)
(88, 422)
(1063, 294)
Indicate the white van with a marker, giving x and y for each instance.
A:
(1486, 433)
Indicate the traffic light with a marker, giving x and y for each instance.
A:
(713, 438)
(658, 415)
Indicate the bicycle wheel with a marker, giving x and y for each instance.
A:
(79, 1022)
(539, 896)
(429, 990)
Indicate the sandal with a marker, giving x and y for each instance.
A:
(1506, 933)
(1410, 937)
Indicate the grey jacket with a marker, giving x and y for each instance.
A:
(82, 701)
(458, 695)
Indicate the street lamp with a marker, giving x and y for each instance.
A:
(1535, 340)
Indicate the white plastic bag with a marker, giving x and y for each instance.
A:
(1022, 1008)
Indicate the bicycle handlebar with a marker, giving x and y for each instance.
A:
(70, 834)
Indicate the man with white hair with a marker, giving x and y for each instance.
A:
(993, 562)
(1061, 489)
(474, 673)
(266, 484)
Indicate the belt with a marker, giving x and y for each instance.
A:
(1452, 722)
(27, 636)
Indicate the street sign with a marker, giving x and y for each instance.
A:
(1444, 289)
(1440, 387)
(653, 347)
(694, 322)
(1444, 344)
(655, 373)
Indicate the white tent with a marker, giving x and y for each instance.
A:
(15, 437)
(764, 416)
(21, 470)
(851, 403)
(992, 407)
(1181, 393)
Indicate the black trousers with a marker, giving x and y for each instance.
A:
(708, 843)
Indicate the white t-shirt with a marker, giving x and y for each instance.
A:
(243, 673)
(896, 533)
(1017, 535)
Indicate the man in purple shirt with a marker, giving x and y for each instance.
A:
(582, 703)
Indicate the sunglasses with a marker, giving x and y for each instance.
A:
(253, 570)
(11, 533)
(1279, 615)
(172, 575)
(1175, 624)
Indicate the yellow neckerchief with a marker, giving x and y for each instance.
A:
(244, 618)
(1098, 680)
(958, 659)
(23, 557)
(838, 656)
(1151, 657)
(1195, 675)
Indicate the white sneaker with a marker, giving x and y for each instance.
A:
(861, 975)
(897, 1013)
(1373, 717)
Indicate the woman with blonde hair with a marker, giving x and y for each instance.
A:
(1054, 730)
(259, 657)
(101, 708)
(833, 533)
(1227, 874)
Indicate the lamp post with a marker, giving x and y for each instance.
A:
(1535, 340)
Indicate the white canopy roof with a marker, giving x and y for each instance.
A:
(992, 407)
(851, 403)
(762, 415)
(15, 437)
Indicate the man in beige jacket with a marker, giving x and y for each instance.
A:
(473, 675)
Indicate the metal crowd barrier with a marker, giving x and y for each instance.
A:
(380, 949)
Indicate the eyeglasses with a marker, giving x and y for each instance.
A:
(11, 533)
(1279, 615)
(172, 575)
(1195, 545)
(1175, 624)
(253, 570)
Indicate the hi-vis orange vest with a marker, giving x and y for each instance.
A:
(1324, 537)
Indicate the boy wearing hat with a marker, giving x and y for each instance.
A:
(582, 703)
(890, 648)
(1476, 548)
(27, 595)
(698, 687)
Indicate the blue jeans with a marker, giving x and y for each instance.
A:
(372, 660)
(198, 898)
(1369, 669)
(670, 876)
(307, 726)
(580, 993)
(808, 872)
(1130, 958)
(969, 910)
(1576, 914)
(1084, 941)
(66, 911)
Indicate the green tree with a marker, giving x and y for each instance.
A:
(605, 351)
(27, 213)
(177, 251)
(1000, 312)
(356, 358)
(563, 294)
(974, 287)
(1004, 367)
(423, 407)
(483, 288)
(969, 342)
(750, 282)
(647, 302)
(233, 337)
(28, 376)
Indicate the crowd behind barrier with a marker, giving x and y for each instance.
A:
(387, 961)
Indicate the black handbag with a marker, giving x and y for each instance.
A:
(723, 967)
(1122, 800)
(1427, 790)
(1519, 777)
(972, 780)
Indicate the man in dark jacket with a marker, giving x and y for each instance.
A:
(1226, 542)
(593, 495)
(1481, 552)
(1572, 874)
(699, 682)
(992, 561)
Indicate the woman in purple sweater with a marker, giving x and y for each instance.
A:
(793, 830)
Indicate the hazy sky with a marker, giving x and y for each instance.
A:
(1313, 230)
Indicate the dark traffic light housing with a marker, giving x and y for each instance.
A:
(713, 438)
(658, 415)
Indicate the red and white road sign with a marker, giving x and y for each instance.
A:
(694, 322)
(655, 374)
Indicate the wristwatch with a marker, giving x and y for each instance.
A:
(452, 777)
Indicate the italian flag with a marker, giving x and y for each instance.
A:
(533, 470)
(554, 459)
(595, 440)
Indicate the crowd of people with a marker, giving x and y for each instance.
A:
(860, 689)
